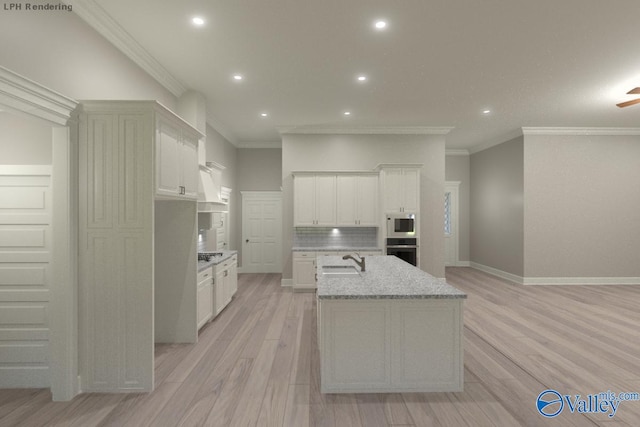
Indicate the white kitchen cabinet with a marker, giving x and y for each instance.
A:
(205, 296)
(304, 271)
(390, 345)
(133, 291)
(225, 283)
(357, 200)
(314, 200)
(177, 161)
(401, 189)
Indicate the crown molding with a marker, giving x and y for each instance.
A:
(364, 130)
(28, 97)
(94, 15)
(607, 131)
(457, 152)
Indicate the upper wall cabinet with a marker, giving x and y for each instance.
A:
(357, 200)
(176, 159)
(401, 189)
(314, 198)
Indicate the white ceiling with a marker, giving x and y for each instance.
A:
(549, 63)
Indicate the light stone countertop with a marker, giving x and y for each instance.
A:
(202, 265)
(385, 277)
(336, 249)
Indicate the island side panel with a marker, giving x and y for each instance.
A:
(355, 346)
(427, 345)
(390, 345)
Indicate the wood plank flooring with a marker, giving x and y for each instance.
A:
(257, 365)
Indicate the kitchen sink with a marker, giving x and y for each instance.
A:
(339, 271)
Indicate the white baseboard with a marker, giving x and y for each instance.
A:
(499, 273)
(556, 280)
(286, 283)
(582, 280)
(459, 264)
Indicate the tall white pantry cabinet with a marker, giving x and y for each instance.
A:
(120, 170)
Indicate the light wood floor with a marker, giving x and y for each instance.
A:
(257, 365)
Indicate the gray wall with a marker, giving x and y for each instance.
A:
(582, 206)
(497, 207)
(259, 169)
(221, 151)
(24, 141)
(61, 52)
(365, 152)
(457, 168)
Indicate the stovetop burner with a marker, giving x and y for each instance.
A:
(206, 256)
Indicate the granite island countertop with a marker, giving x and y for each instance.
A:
(336, 249)
(385, 277)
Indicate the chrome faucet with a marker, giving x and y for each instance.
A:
(360, 263)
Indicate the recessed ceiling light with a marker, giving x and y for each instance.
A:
(486, 111)
(347, 113)
(380, 24)
(264, 114)
(197, 21)
(362, 78)
(237, 77)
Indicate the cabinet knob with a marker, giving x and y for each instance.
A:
(247, 241)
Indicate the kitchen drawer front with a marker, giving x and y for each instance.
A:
(304, 255)
(227, 263)
(205, 274)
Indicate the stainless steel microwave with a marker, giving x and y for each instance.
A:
(401, 225)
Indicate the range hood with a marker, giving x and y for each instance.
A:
(209, 189)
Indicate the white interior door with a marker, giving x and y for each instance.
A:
(451, 190)
(261, 232)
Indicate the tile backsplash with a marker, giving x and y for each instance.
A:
(316, 237)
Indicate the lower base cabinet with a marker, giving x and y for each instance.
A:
(205, 296)
(225, 283)
(390, 345)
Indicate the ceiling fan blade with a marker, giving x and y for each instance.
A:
(628, 103)
(635, 91)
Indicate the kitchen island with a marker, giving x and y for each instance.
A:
(392, 328)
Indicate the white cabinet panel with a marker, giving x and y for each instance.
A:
(25, 245)
(358, 354)
(167, 155)
(347, 200)
(390, 345)
(401, 189)
(304, 271)
(189, 167)
(304, 200)
(358, 200)
(205, 296)
(329, 200)
(129, 153)
(325, 200)
(225, 283)
(177, 167)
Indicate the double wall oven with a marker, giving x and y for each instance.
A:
(402, 236)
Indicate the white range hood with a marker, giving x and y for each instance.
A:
(210, 194)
